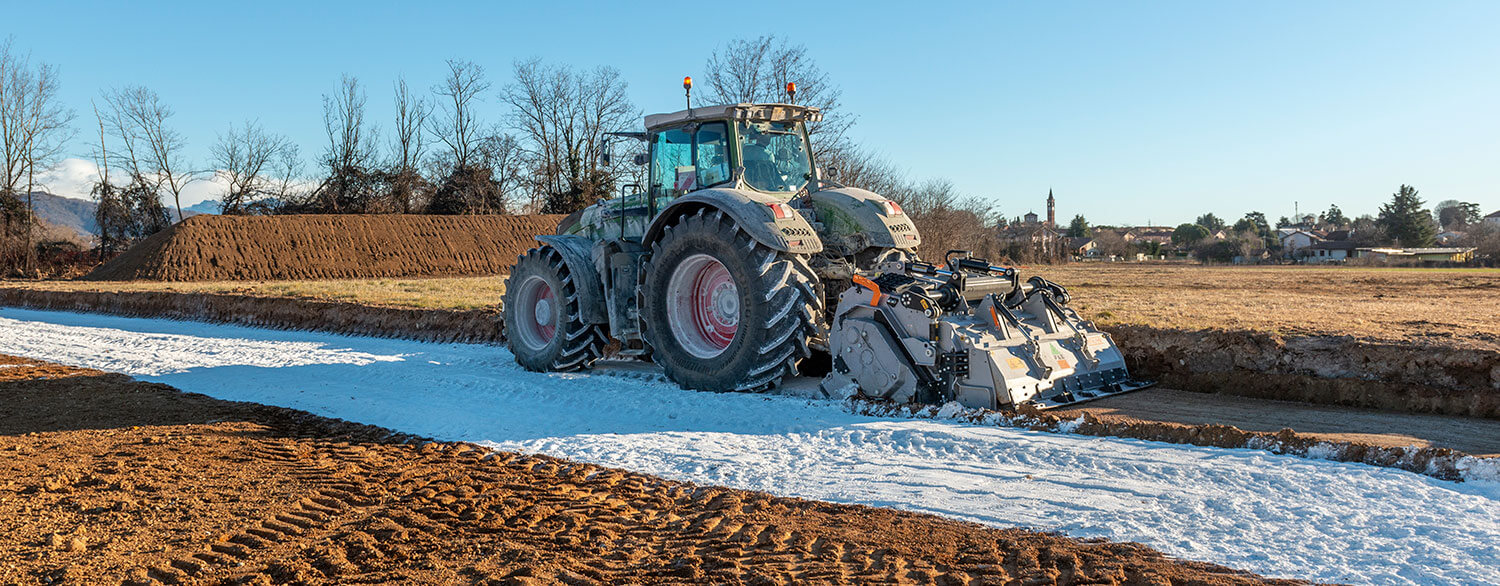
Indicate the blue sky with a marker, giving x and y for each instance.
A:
(1131, 112)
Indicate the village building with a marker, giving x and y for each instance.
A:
(1454, 255)
(1328, 251)
(1493, 218)
(1294, 239)
(1043, 237)
(1083, 247)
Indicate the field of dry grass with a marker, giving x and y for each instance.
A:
(423, 293)
(1458, 307)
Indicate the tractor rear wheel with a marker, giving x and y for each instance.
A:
(543, 323)
(723, 312)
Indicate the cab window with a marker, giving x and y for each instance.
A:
(775, 155)
(671, 151)
(712, 154)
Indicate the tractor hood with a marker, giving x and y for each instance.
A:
(850, 213)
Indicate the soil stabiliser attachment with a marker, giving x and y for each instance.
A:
(972, 333)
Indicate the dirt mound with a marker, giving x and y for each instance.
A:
(114, 480)
(255, 248)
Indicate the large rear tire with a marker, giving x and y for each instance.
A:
(723, 312)
(544, 326)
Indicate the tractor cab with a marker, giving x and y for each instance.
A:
(760, 148)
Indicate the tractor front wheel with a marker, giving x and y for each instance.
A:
(543, 325)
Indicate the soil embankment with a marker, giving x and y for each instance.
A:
(1418, 377)
(115, 480)
(224, 248)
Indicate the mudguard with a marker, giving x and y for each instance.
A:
(577, 253)
(752, 212)
(849, 210)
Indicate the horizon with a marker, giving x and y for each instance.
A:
(1131, 115)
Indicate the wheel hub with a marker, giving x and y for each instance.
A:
(703, 306)
(539, 325)
(544, 311)
(726, 303)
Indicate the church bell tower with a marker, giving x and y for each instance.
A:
(1051, 210)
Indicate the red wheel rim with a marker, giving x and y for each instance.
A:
(704, 306)
(537, 312)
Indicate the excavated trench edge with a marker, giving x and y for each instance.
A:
(1182, 359)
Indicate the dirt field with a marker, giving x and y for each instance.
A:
(107, 479)
(210, 248)
(1447, 307)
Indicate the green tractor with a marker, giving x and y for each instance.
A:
(739, 260)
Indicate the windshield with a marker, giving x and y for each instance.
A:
(775, 156)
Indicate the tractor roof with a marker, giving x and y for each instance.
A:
(756, 112)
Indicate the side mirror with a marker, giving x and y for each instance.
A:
(640, 159)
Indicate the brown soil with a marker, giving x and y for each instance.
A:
(109, 480)
(214, 248)
(1453, 308)
(1332, 370)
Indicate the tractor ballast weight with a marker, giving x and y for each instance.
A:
(739, 261)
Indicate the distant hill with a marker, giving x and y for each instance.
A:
(78, 214)
(207, 206)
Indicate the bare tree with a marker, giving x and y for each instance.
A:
(153, 151)
(408, 149)
(127, 214)
(863, 169)
(351, 152)
(757, 70)
(244, 158)
(109, 214)
(458, 127)
(564, 115)
(287, 184)
(34, 126)
(501, 154)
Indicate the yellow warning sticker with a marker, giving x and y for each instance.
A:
(1015, 363)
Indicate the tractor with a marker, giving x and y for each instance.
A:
(740, 261)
